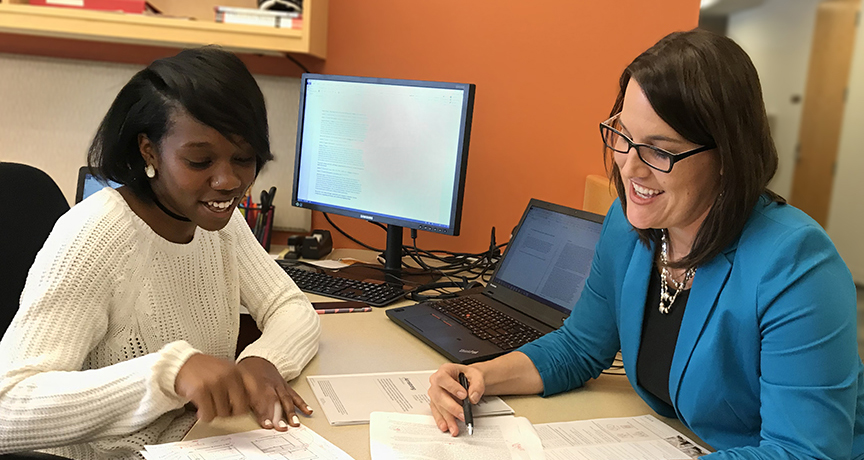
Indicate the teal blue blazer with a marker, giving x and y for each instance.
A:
(766, 364)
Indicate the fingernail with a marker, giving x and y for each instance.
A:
(295, 420)
(461, 394)
(268, 424)
(475, 398)
(282, 424)
(308, 408)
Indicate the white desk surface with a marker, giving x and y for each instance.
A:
(370, 342)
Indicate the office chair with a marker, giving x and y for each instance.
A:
(31, 456)
(32, 203)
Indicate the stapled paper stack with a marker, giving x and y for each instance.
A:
(349, 399)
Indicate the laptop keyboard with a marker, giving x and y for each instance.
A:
(488, 323)
(375, 294)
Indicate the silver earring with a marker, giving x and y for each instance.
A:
(150, 171)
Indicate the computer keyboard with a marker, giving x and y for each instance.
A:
(314, 282)
(488, 323)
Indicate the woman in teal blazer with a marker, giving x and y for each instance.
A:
(733, 311)
(773, 362)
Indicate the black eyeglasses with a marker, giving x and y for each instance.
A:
(655, 157)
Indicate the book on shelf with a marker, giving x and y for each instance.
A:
(125, 6)
(256, 17)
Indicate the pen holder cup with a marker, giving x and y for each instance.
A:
(260, 222)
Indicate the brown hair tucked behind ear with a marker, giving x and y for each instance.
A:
(706, 88)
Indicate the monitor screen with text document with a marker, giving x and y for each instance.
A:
(384, 150)
(549, 259)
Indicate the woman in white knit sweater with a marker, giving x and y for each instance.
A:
(131, 309)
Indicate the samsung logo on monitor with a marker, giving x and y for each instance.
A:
(366, 217)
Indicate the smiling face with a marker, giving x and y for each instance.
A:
(678, 200)
(200, 174)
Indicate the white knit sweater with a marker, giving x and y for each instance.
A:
(111, 311)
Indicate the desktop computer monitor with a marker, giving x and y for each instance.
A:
(384, 150)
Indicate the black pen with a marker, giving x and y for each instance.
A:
(466, 405)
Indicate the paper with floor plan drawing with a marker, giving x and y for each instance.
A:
(299, 443)
(348, 399)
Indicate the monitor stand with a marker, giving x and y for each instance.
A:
(393, 272)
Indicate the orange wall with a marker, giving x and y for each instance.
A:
(546, 75)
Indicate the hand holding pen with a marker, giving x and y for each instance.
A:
(451, 394)
(466, 405)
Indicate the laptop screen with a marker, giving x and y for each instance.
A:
(549, 258)
(89, 184)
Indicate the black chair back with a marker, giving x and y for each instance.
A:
(32, 203)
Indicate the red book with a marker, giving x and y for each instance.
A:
(126, 6)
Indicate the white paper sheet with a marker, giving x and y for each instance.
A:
(395, 436)
(349, 399)
(299, 443)
(327, 264)
(637, 438)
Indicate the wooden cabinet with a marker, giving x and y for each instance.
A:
(68, 23)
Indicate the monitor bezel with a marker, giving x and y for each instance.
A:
(454, 226)
(83, 172)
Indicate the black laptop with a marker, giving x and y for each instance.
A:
(89, 184)
(534, 288)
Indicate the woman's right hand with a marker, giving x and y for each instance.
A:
(446, 394)
(214, 385)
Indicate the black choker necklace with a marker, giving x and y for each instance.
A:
(171, 214)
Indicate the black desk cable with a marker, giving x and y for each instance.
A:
(462, 270)
(298, 63)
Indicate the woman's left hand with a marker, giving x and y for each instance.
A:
(270, 396)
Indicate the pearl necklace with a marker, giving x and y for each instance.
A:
(666, 299)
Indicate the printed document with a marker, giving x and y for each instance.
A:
(416, 437)
(349, 399)
(296, 443)
(644, 437)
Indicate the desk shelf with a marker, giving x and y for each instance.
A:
(135, 29)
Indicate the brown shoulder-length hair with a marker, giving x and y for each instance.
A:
(706, 88)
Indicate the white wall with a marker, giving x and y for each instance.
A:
(778, 35)
(846, 217)
(50, 109)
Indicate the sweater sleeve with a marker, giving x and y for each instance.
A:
(289, 326)
(46, 398)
